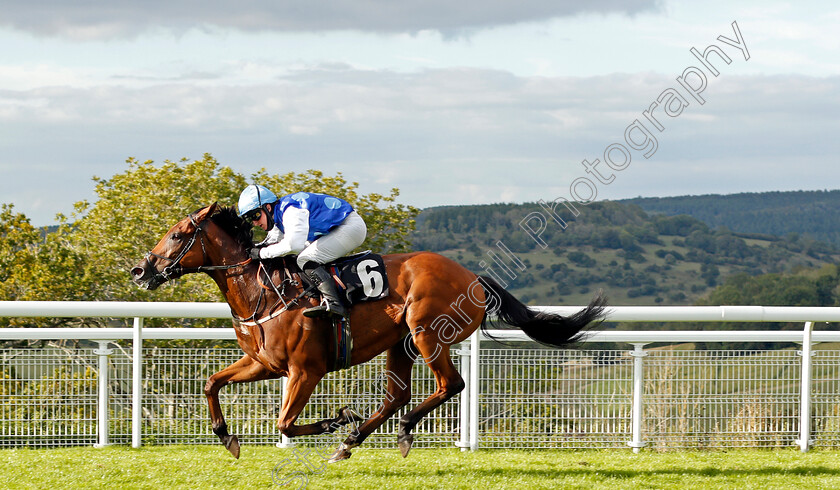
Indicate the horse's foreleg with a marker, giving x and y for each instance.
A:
(242, 371)
(398, 366)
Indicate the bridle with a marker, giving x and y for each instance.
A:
(175, 270)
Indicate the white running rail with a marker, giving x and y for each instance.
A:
(470, 357)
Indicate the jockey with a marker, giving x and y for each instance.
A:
(317, 227)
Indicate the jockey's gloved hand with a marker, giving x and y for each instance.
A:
(254, 253)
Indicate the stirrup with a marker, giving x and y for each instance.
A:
(325, 309)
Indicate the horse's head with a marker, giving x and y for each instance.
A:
(182, 250)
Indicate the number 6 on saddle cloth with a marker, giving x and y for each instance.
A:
(361, 277)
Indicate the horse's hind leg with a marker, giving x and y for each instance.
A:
(242, 371)
(449, 384)
(345, 415)
(299, 387)
(398, 366)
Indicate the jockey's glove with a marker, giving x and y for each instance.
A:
(254, 253)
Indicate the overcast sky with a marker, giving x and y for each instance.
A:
(451, 102)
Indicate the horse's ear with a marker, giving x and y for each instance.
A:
(205, 213)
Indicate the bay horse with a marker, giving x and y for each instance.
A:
(432, 303)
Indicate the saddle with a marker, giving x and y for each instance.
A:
(359, 278)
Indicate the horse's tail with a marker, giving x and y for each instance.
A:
(546, 328)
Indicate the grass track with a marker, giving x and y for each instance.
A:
(212, 467)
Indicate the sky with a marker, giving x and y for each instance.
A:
(450, 102)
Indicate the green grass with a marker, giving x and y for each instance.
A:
(212, 467)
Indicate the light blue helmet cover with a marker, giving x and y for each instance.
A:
(253, 197)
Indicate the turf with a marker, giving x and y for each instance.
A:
(264, 467)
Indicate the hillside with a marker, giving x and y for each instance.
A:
(813, 213)
(635, 257)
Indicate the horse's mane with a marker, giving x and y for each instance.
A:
(228, 220)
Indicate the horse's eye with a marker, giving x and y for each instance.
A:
(176, 237)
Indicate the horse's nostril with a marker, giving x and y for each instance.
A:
(137, 272)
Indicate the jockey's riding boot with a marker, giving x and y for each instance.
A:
(330, 301)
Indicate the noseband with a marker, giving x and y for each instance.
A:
(175, 270)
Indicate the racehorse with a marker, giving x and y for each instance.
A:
(432, 303)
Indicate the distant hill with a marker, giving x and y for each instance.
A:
(813, 213)
(637, 258)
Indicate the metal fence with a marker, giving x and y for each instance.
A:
(518, 396)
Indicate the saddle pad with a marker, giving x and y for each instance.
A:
(361, 277)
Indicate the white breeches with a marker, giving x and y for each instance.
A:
(339, 242)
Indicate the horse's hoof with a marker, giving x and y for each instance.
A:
(232, 444)
(405, 442)
(343, 452)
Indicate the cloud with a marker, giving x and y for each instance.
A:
(451, 111)
(126, 18)
(447, 136)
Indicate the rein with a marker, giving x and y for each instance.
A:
(251, 321)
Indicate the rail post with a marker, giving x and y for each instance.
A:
(285, 442)
(137, 384)
(804, 440)
(638, 355)
(102, 428)
(475, 382)
(464, 405)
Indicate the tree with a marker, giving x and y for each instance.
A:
(17, 236)
(90, 255)
(34, 268)
(134, 209)
(710, 273)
